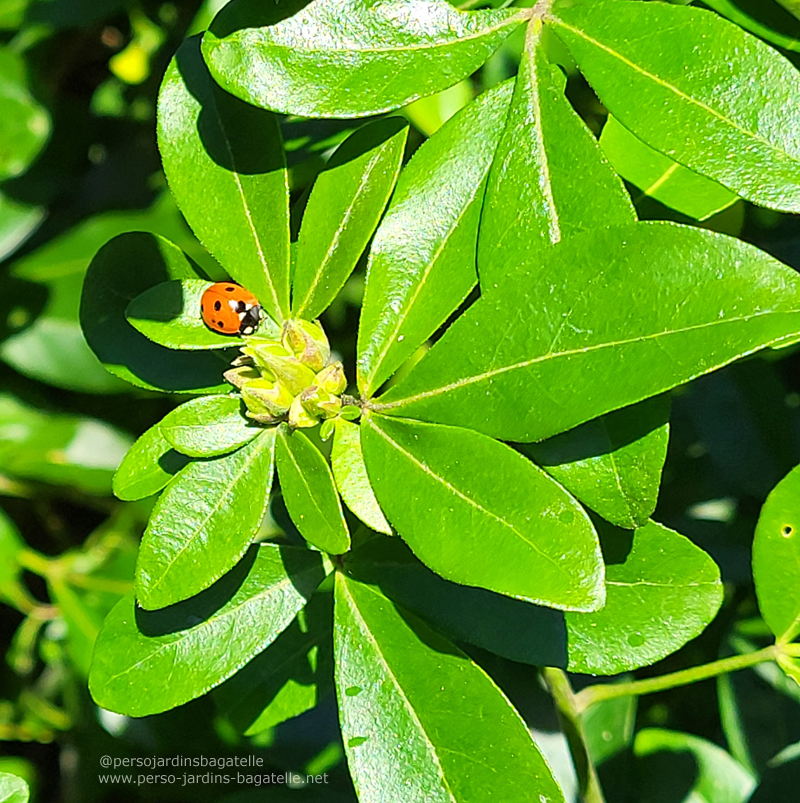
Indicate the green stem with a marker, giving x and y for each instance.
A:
(569, 714)
(594, 694)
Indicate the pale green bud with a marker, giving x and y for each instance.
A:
(241, 375)
(320, 403)
(299, 417)
(308, 342)
(274, 360)
(264, 397)
(332, 379)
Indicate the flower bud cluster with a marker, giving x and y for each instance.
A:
(291, 379)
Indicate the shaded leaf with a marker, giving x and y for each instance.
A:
(659, 177)
(776, 558)
(712, 774)
(344, 208)
(608, 726)
(51, 347)
(12, 592)
(422, 260)
(553, 348)
(123, 269)
(310, 493)
(546, 158)
(767, 20)
(203, 523)
(147, 662)
(351, 477)
(612, 463)
(345, 58)
(479, 513)
(694, 71)
(209, 426)
(225, 163)
(407, 733)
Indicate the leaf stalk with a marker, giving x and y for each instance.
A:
(636, 688)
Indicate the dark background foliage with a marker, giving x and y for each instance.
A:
(96, 68)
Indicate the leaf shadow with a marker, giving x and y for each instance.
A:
(513, 629)
(666, 776)
(234, 134)
(600, 436)
(245, 696)
(191, 612)
(21, 303)
(109, 286)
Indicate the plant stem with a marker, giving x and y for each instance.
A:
(594, 694)
(569, 714)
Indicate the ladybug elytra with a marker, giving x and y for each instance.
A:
(230, 309)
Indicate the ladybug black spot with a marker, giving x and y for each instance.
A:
(217, 305)
(230, 288)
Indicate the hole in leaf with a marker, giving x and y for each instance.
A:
(787, 530)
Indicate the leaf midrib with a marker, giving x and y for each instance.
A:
(411, 710)
(570, 353)
(366, 175)
(257, 449)
(467, 499)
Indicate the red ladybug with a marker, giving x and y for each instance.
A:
(230, 309)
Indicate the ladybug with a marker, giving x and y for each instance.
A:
(230, 309)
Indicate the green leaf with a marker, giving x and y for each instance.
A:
(208, 426)
(203, 523)
(351, 477)
(713, 774)
(225, 163)
(147, 466)
(24, 124)
(49, 346)
(310, 493)
(17, 222)
(661, 591)
(200, 642)
(561, 344)
(59, 449)
(776, 558)
(694, 71)
(289, 678)
(386, 55)
(612, 463)
(407, 733)
(479, 513)
(13, 789)
(422, 260)
(169, 314)
(508, 627)
(123, 269)
(346, 203)
(767, 20)
(549, 179)
(659, 177)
